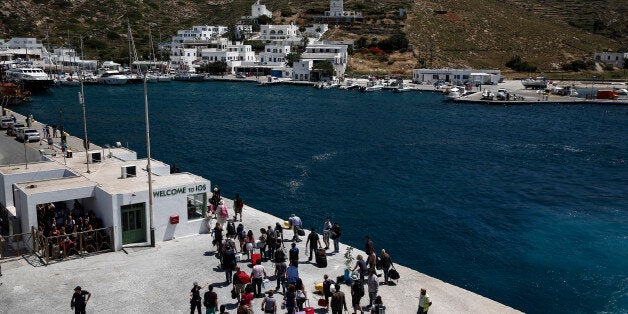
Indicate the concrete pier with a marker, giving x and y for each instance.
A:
(158, 280)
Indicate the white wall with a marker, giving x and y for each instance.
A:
(7, 181)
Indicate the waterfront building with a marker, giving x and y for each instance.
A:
(274, 53)
(115, 189)
(22, 49)
(301, 70)
(615, 59)
(337, 55)
(68, 57)
(183, 58)
(456, 76)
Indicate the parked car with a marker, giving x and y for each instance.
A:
(27, 135)
(5, 123)
(13, 128)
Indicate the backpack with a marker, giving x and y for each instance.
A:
(327, 285)
(359, 288)
(223, 211)
(244, 277)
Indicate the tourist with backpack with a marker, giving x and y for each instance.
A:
(357, 292)
(221, 213)
(240, 279)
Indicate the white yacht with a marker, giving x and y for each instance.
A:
(31, 79)
(112, 77)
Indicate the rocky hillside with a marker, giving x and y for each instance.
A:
(479, 33)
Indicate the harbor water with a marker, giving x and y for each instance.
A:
(526, 205)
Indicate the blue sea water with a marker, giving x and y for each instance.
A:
(526, 205)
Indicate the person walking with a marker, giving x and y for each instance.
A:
(314, 242)
(281, 275)
(210, 300)
(386, 263)
(424, 302)
(373, 286)
(269, 304)
(258, 274)
(338, 301)
(229, 262)
(335, 236)
(238, 285)
(79, 300)
(378, 306)
(301, 293)
(195, 297)
(328, 285)
(238, 205)
(326, 232)
(357, 292)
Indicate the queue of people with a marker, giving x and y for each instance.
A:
(267, 245)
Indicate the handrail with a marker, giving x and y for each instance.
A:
(75, 244)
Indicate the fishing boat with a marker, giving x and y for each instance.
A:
(29, 78)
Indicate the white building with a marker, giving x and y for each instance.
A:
(115, 189)
(457, 76)
(67, 57)
(316, 31)
(336, 10)
(278, 32)
(199, 33)
(614, 58)
(22, 49)
(274, 53)
(301, 70)
(337, 55)
(183, 58)
(244, 31)
(258, 10)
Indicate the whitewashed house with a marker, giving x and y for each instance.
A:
(613, 58)
(316, 31)
(258, 9)
(337, 55)
(274, 53)
(278, 32)
(456, 76)
(301, 70)
(336, 10)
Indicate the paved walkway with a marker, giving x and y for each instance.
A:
(157, 280)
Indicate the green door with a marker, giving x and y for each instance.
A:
(133, 226)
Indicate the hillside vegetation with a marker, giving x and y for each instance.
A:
(455, 33)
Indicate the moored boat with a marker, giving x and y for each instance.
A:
(112, 77)
(189, 77)
(29, 78)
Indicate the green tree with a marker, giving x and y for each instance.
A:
(292, 57)
(326, 67)
(256, 45)
(361, 42)
(397, 41)
(516, 63)
(264, 20)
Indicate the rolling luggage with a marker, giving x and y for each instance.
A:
(255, 257)
(321, 258)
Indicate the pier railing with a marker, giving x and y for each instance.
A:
(16, 245)
(59, 248)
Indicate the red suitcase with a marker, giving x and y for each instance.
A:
(255, 257)
(308, 310)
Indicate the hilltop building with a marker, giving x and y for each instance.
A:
(258, 9)
(337, 13)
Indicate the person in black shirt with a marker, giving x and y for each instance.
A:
(314, 242)
(229, 262)
(79, 301)
(195, 298)
(294, 255)
(210, 300)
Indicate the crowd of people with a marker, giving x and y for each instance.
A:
(236, 244)
(62, 227)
